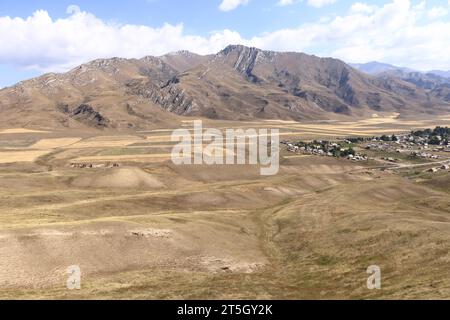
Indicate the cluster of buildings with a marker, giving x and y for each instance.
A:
(324, 148)
(377, 146)
(357, 157)
(420, 146)
(423, 144)
(444, 167)
(436, 139)
(400, 144)
(93, 166)
(424, 155)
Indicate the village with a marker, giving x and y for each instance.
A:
(427, 145)
(422, 144)
(94, 166)
(326, 148)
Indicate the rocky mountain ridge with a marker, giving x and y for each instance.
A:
(237, 83)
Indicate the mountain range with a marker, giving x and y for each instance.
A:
(437, 83)
(237, 83)
(375, 68)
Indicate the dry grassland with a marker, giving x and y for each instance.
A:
(153, 230)
(20, 156)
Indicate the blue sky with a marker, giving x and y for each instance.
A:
(199, 16)
(44, 36)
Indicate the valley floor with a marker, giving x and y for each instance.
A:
(148, 229)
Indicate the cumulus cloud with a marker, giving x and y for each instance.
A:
(287, 2)
(359, 7)
(39, 42)
(228, 5)
(320, 3)
(397, 32)
(72, 9)
(437, 12)
(312, 3)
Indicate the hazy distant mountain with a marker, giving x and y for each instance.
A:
(238, 83)
(436, 82)
(444, 74)
(375, 67)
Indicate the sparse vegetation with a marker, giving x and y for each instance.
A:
(159, 231)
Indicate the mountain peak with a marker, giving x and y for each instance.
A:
(184, 53)
(375, 67)
(102, 63)
(238, 48)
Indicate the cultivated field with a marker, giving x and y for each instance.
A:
(141, 227)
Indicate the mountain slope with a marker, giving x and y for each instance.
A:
(238, 83)
(435, 86)
(437, 83)
(375, 68)
(444, 74)
(293, 86)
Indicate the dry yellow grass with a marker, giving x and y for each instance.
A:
(118, 178)
(106, 142)
(54, 143)
(21, 156)
(20, 130)
(126, 158)
(156, 230)
(165, 138)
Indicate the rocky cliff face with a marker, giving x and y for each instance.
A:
(84, 113)
(245, 60)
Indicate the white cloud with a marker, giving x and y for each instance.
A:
(228, 5)
(437, 12)
(320, 3)
(73, 9)
(359, 7)
(395, 33)
(39, 42)
(287, 2)
(312, 3)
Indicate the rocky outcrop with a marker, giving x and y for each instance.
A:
(86, 114)
(170, 97)
(245, 60)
